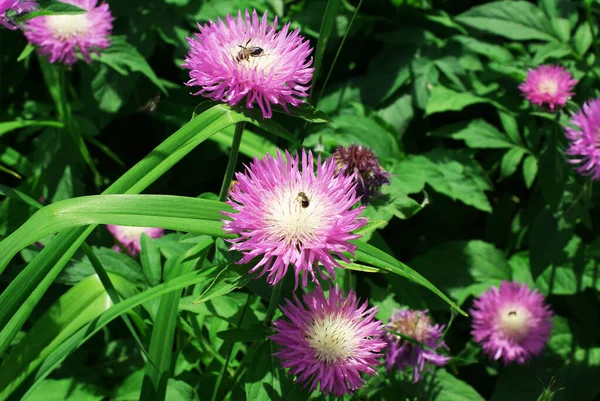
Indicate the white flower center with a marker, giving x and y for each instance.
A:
(333, 338)
(296, 216)
(68, 26)
(514, 321)
(549, 86)
(131, 233)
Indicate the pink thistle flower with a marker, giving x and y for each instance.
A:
(288, 214)
(551, 84)
(17, 7)
(245, 57)
(130, 237)
(512, 322)
(584, 142)
(62, 37)
(401, 352)
(329, 341)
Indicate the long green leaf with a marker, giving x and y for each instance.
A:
(25, 291)
(324, 35)
(13, 125)
(179, 213)
(369, 254)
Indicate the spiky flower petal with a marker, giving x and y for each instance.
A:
(401, 353)
(246, 58)
(130, 237)
(16, 7)
(329, 341)
(288, 214)
(61, 37)
(584, 141)
(362, 162)
(511, 323)
(548, 84)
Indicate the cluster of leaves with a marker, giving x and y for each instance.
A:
(481, 192)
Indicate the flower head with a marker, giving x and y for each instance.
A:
(550, 84)
(401, 353)
(129, 237)
(511, 323)
(289, 215)
(329, 340)
(584, 142)
(245, 57)
(61, 37)
(17, 7)
(362, 162)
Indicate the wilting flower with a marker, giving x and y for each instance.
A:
(511, 323)
(130, 237)
(329, 340)
(362, 162)
(290, 215)
(246, 57)
(16, 7)
(584, 142)
(61, 37)
(406, 325)
(550, 84)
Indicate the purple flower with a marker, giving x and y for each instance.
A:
(401, 352)
(61, 37)
(362, 162)
(330, 341)
(248, 58)
(290, 215)
(512, 322)
(551, 84)
(17, 7)
(129, 237)
(584, 142)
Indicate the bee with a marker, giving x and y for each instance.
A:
(151, 104)
(303, 200)
(248, 52)
(512, 313)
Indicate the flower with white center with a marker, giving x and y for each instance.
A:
(401, 353)
(512, 323)
(290, 214)
(61, 37)
(329, 341)
(15, 7)
(130, 237)
(548, 84)
(247, 58)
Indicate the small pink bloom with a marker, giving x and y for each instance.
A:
(61, 37)
(511, 323)
(246, 58)
(130, 237)
(17, 7)
(401, 353)
(330, 341)
(290, 214)
(584, 141)
(550, 84)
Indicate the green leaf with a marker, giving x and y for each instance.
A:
(549, 235)
(552, 50)
(327, 24)
(306, 112)
(516, 20)
(125, 58)
(13, 125)
(553, 171)
(223, 280)
(16, 194)
(425, 76)
(262, 379)
(510, 161)
(150, 258)
(66, 390)
(530, 168)
(444, 99)
(493, 52)
(476, 134)
(450, 388)
(583, 38)
(53, 7)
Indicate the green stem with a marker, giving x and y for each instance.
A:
(233, 155)
(273, 302)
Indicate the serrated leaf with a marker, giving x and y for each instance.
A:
(476, 134)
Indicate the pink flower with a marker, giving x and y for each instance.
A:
(129, 237)
(584, 142)
(248, 58)
(61, 37)
(511, 323)
(17, 7)
(290, 215)
(549, 84)
(329, 341)
(401, 352)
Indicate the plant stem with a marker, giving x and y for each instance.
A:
(273, 302)
(233, 155)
